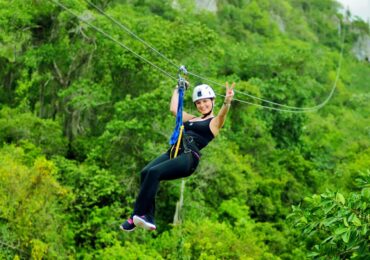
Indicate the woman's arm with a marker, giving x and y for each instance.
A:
(174, 101)
(174, 105)
(217, 123)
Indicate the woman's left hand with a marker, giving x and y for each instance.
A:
(229, 92)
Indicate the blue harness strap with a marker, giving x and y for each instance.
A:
(176, 132)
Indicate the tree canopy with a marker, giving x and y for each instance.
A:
(81, 115)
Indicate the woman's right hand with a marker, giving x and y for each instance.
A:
(187, 84)
(229, 93)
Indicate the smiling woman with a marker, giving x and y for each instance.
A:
(203, 97)
(182, 161)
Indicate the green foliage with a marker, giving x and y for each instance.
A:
(226, 175)
(12, 19)
(99, 114)
(116, 149)
(95, 204)
(210, 240)
(21, 128)
(127, 251)
(30, 207)
(336, 225)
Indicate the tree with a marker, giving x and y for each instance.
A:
(32, 223)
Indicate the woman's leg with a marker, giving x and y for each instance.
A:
(129, 225)
(145, 171)
(179, 167)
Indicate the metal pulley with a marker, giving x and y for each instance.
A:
(183, 74)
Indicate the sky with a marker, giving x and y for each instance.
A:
(360, 8)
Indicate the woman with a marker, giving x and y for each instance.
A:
(199, 131)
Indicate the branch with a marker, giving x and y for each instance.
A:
(72, 67)
(14, 248)
(59, 73)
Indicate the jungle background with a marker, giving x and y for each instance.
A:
(80, 116)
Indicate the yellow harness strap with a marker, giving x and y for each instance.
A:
(178, 143)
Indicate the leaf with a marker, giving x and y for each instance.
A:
(356, 221)
(312, 254)
(364, 230)
(327, 239)
(340, 230)
(345, 222)
(340, 198)
(327, 210)
(346, 236)
(366, 193)
(303, 220)
(327, 222)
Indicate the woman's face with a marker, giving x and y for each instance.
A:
(204, 106)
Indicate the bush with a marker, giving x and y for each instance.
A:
(336, 226)
(17, 126)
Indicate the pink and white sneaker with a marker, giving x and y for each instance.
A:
(145, 221)
(128, 225)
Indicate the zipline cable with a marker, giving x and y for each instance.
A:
(131, 33)
(113, 39)
(215, 83)
(267, 107)
(290, 108)
(168, 60)
(313, 108)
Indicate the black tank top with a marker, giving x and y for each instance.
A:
(199, 131)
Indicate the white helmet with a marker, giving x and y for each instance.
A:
(203, 91)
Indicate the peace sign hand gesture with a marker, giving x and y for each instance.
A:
(229, 93)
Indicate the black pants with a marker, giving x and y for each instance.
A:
(162, 168)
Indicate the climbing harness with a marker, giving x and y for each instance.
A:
(178, 136)
(178, 132)
(280, 107)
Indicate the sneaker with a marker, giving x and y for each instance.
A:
(128, 225)
(145, 222)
